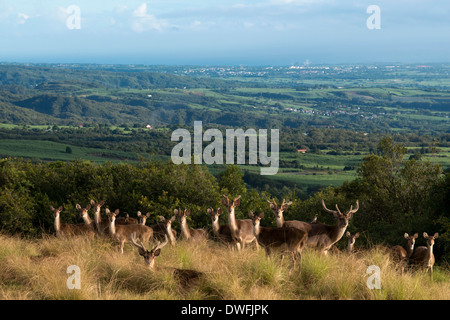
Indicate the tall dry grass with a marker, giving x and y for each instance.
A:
(37, 269)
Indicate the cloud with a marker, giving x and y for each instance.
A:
(22, 18)
(143, 21)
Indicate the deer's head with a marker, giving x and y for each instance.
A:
(143, 218)
(181, 214)
(231, 204)
(341, 218)
(430, 239)
(279, 209)
(83, 211)
(112, 215)
(167, 222)
(352, 238)
(57, 211)
(148, 255)
(97, 205)
(256, 219)
(411, 240)
(214, 214)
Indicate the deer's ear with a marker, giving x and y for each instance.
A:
(92, 202)
(406, 235)
(78, 207)
(88, 207)
(116, 212)
(273, 206)
(51, 208)
(209, 210)
(250, 214)
(261, 215)
(102, 203)
(237, 201)
(187, 212)
(157, 252)
(357, 235)
(436, 235)
(172, 219)
(175, 212)
(425, 235)
(219, 211)
(347, 234)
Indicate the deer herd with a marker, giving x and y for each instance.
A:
(289, 236)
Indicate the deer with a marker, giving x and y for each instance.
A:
(241, 229)
(351, 241)
(322, 236)
(187, 233)
(102, 224)
(143, 218)
(423, 256)
(402, 255)
(165, 228)
(126, 220)
(222, 232)
(122, 233)
(278, 211)
(292, 238)
(85, 215)
(67, 229)
(186, 276)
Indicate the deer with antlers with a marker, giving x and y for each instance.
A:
(241, 229)
(187, 233)
(424, 256)
(122, 233)
(278, 210)
(222, 232)
(187, 277)
(270, 238)
(322, 236)
(67, 229)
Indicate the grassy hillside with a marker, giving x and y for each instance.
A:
(54, 151)
(37, 269)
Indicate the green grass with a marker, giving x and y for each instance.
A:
(48, 150)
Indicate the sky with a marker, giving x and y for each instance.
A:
(224, 32)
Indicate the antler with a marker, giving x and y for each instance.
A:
(139, 244)
(160, 245)
(352, 211)
(328, 210)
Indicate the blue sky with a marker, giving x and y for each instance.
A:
(219, 32)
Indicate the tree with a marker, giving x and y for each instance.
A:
(395, 191)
